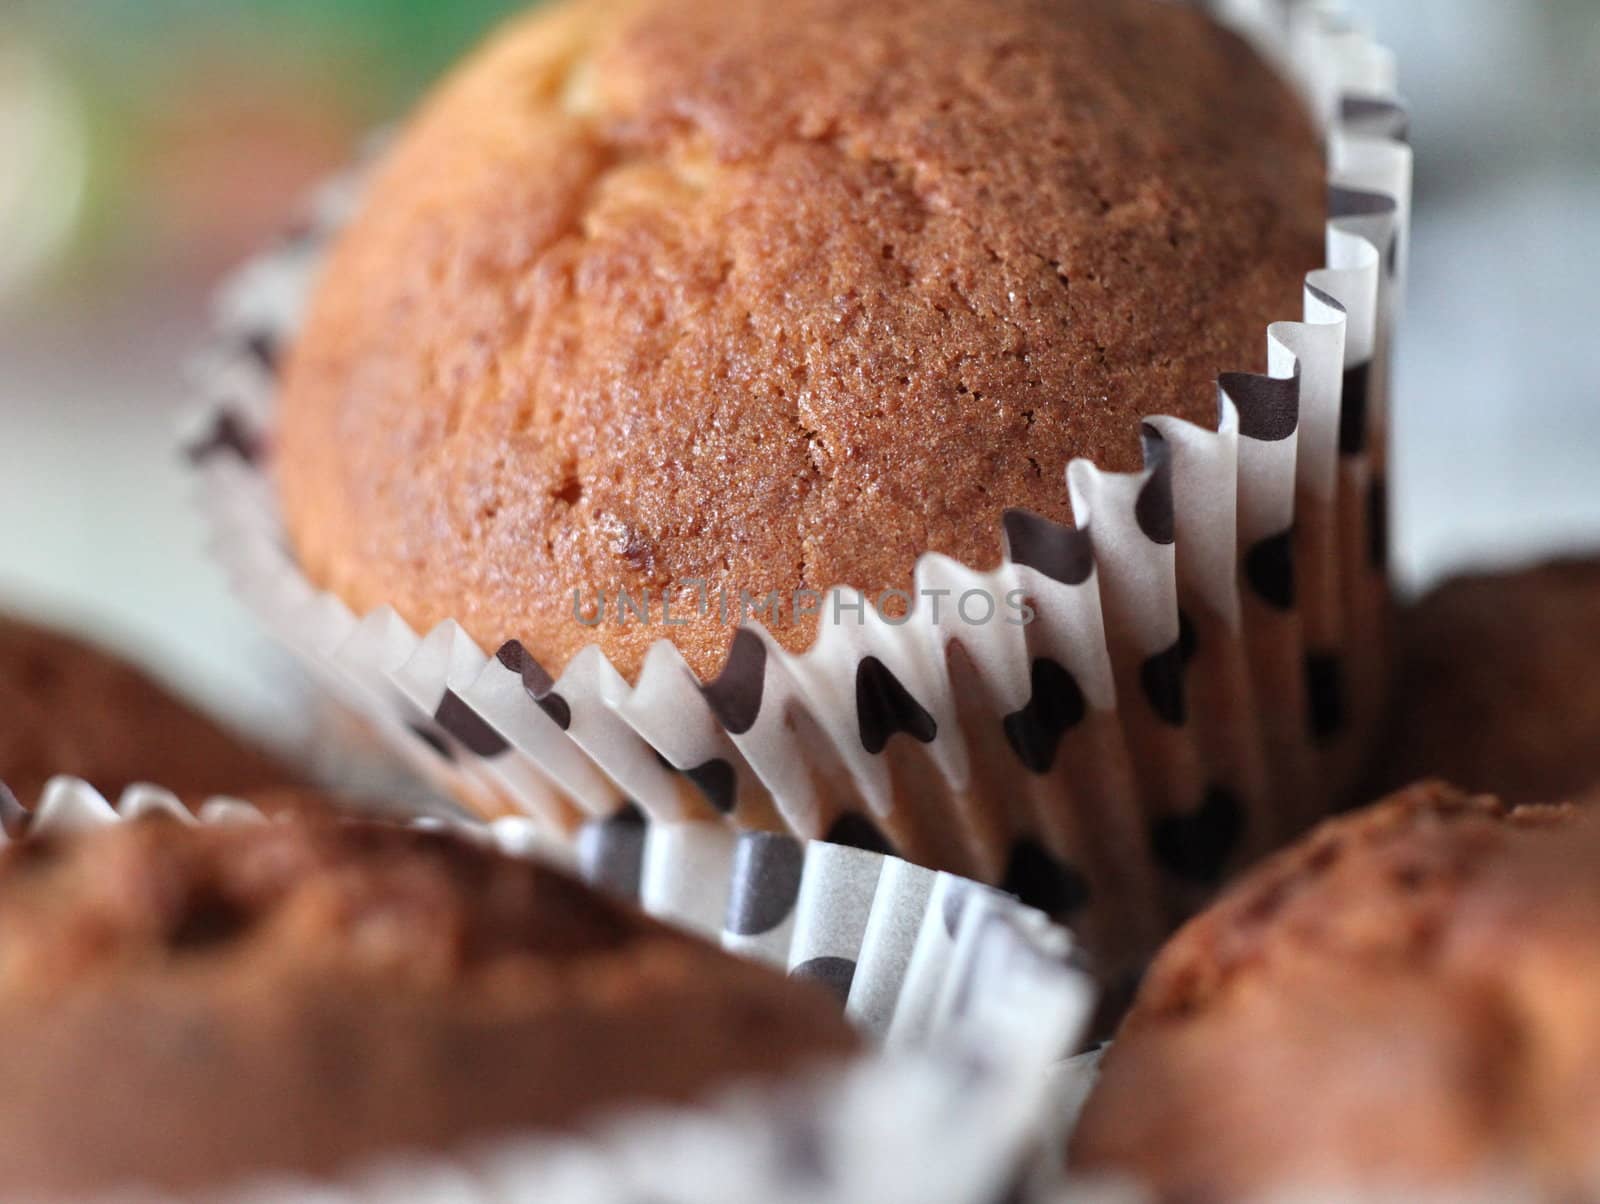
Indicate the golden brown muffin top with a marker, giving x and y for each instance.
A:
(213, 1002)
(1497, 684)
(1407, 997)
(69, 708)
(778, 295)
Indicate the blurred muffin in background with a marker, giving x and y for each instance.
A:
(219, 177)
(1404, 1000)
(204, 1003)
(67, 707)
(1497, 685)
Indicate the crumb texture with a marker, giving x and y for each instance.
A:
(778, 296)
(211, 1003)
(1405, 998)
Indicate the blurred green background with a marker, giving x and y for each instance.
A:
(180, 131)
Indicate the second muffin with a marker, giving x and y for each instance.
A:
(68, 707)
(1497, 684)
(207, 1003)
(1404, 1002)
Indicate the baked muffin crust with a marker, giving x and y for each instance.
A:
(776, 296)
(1406, 999)
(191, 1004)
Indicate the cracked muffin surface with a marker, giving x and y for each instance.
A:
(778, 296)
(1406, 999)
(193, 1004)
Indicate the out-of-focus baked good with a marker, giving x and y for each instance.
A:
(1406, 998)
(1497, 685)
(67, 707)
(186, 1005)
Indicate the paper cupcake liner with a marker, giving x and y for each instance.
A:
(973, 998)
(1200, 677)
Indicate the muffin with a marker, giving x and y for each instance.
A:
(775, 297)
(1406, 1000)
(660, 321)
(71, 708)
(216, 1002)
(1497, 685)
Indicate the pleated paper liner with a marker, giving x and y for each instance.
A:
(972, 999)
(1199, 681)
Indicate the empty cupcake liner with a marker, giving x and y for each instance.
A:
(1198, 680)
(974, 999)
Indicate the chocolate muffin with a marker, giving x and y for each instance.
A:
(71, 708)
(1407, 998)
(721, 296)
(194, 1004)
(1497, 685)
